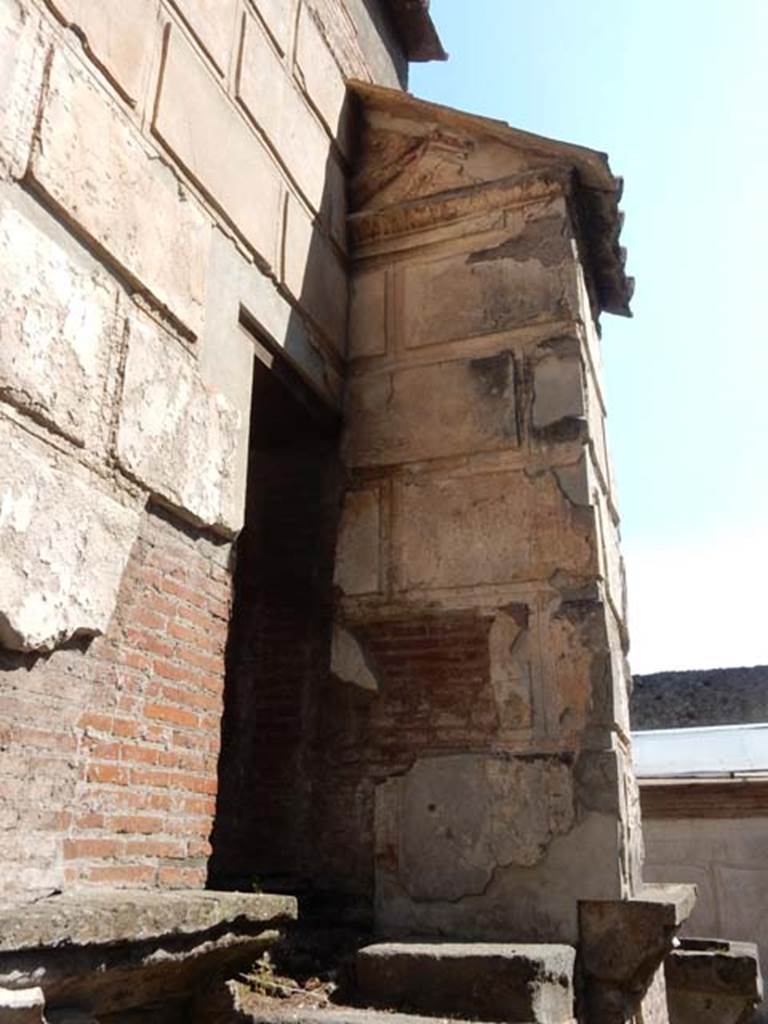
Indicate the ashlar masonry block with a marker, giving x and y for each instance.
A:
(59, 330)
(276, 105)
(175, 436)
(314, 274)
(523, 277)
(443, 409)
(199, 124)
(118, 36)
(24, 46)
(488, 528)
(322, 79)
(213, 22)
(66, 536)
(368, 314)
(358, 558)
(92, 164)
(278, 16)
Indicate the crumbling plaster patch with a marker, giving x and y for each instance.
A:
(176, 436)
(65, 538)
(57, 332)
(21, 79)
(456, 819)
(91, 163)
(349, 661)
(510, 663)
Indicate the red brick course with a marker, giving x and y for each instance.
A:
(434, 696)
(108, 762)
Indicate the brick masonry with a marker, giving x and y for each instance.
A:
(111, 692)
(113, 746)
(434, 696)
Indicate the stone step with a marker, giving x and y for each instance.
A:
(712, 981)
(518, 984)
(345, 1015)
(108, 952)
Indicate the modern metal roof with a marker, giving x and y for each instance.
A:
(711, 751)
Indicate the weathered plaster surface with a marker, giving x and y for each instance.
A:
(357, 567)
(59, 325)
(118, 36)
(488, 527)
(92, 163)
(349, 662)
(479, 493)
(176, 436)
(65, 536)
(22, 36)
(510, 659)
(460, 818)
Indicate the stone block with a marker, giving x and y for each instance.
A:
(175, 436)
(322, 79)
(611, 558)
(213, 22)
(460, 818)
(238, 290)
(710, 981)
(24, 47)
(115, 952)
(460, 297)
(438, 410)
(278, 16)
(511, 660)
(59, 325)
(22, 1006)
(314, 275)
(349, 662)
(276, 105)
(584, 664)
(120, 37)
(368, 314)
(262, 81)
(624, 942)
(93, 165)
(65, 539)
(558, 391)
(204, 131)
(454, 531)
(519, 984)
(358, 559)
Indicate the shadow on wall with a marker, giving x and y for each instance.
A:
(278, 652)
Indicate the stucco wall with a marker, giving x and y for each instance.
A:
(727, 858)
(168, 170)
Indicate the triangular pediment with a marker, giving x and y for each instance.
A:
(413, 151)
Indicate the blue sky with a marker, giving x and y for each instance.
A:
(676, 93)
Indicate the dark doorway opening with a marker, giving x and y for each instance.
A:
(278, 650)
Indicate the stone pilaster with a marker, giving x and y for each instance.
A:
(481, 593)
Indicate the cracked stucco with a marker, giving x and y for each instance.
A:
(65, 538)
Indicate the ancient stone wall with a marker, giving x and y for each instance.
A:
(109, 756)
(478, 759)
(169, 170)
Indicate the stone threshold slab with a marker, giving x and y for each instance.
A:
(109, 916)
(348, 1015)
(109, 951)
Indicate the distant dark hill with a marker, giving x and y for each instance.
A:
(718, 696)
